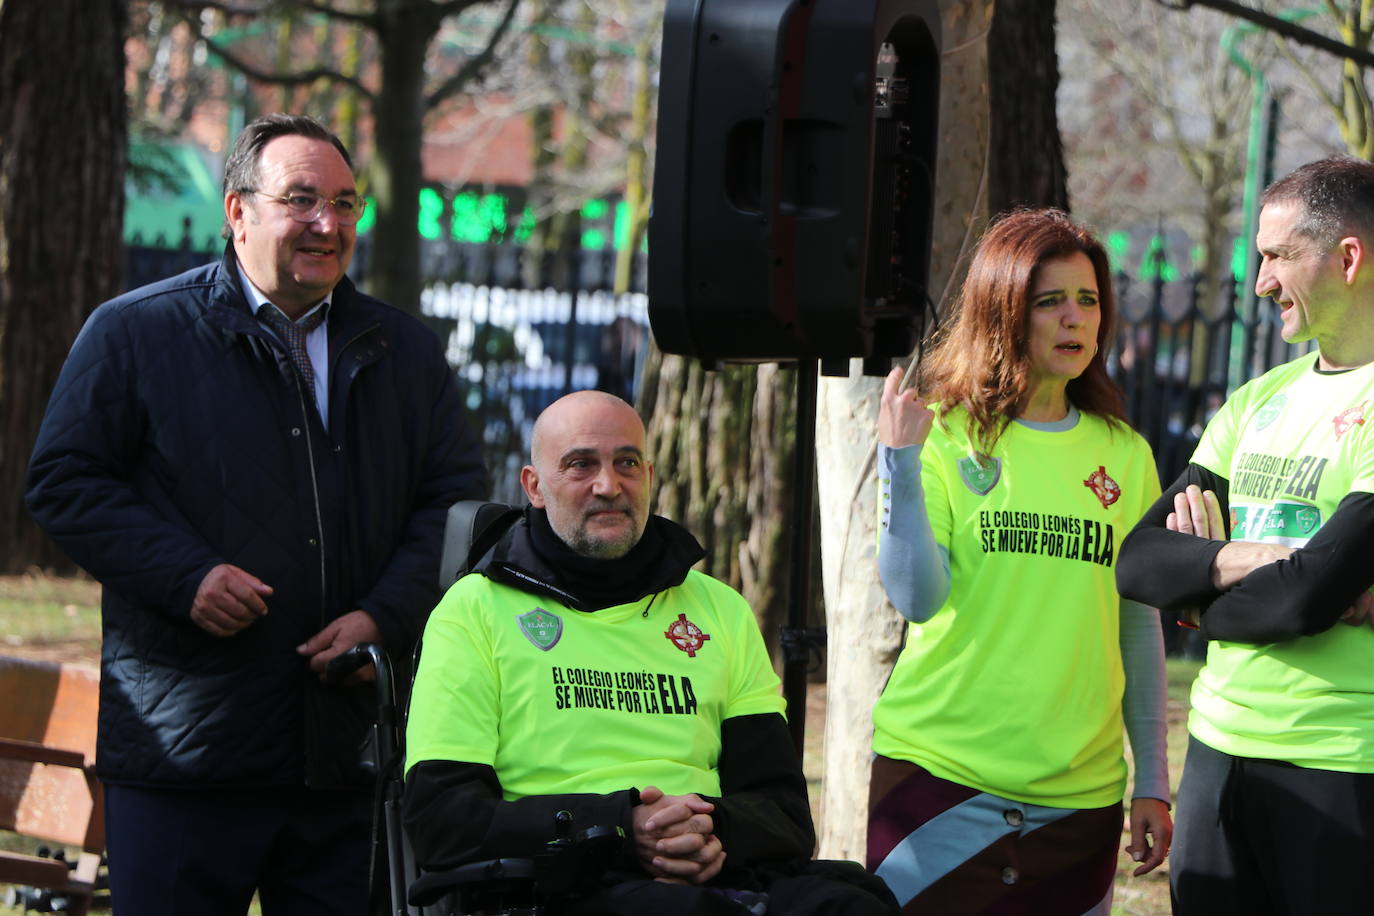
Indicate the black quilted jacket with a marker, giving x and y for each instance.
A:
(177, 439)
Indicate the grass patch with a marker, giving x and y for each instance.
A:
(1180, 673)
(55, 619)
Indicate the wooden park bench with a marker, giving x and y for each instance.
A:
(48, 789)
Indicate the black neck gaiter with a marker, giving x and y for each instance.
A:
(660, 560)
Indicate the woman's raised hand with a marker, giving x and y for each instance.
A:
(903, 418)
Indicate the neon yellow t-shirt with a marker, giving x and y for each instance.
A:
(1292, 443)
(1014, 686)
(558, 700)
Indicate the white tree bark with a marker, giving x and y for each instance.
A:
(864, 633)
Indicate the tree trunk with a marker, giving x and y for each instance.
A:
(1214, 277)
(1357, 111)
(975, 175)
(1026, 147)
(346, 112)
(62, 153)
(565, 229)
(284, 32)
(543, 154)
(399, 111)
(637, 162)
(722, 444)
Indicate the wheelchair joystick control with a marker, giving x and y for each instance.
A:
(562, 827)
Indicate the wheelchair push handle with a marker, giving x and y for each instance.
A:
(364, 653)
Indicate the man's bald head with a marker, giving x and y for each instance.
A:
(589, 472)
(572, 409)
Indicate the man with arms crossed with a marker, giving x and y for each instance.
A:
(1274, 808)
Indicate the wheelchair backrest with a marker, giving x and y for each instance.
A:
(472, 529)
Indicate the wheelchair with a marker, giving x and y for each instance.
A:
(572, 862)
(569, 863)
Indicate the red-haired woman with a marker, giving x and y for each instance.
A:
(998, 773)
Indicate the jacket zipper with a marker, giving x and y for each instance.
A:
(315, 492)
(310, 452)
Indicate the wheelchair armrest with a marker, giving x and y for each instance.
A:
(433, 886)
(564, 866)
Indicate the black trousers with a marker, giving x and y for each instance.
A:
(174, 853)
(1267, 838)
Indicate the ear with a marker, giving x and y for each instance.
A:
(529, 482)
(233, 213)
(1351, 249)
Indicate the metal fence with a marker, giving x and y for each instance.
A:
(1177, 360)
(515, 351)
(149, 260)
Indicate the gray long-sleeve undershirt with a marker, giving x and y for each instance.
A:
(915, 572)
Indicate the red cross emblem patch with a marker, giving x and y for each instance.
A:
(686, 635)
(1347, 419)
(1104, 488)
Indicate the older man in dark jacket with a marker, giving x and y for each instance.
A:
(255, 459)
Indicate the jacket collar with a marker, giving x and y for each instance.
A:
(230, 309)
(525, 560)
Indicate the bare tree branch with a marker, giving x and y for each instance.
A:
(228, 9)
(1193, 158)
(454, 7)
(473, 66)
(295, 78)
(259, 9)
(610, 124)
(1349, 103)
(327, 9)
(1329, 99)
(1279, 26)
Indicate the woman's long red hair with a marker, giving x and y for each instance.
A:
(980, 360)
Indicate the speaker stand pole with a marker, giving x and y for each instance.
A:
(797, 640)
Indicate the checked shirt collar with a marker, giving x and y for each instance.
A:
(293, 334)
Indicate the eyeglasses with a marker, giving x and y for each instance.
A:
(306, 208)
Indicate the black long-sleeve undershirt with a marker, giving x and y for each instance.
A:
(454, 813)
(1299, 596)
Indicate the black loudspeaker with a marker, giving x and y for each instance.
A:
(794, 178)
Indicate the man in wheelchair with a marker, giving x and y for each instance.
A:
(586, 676)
